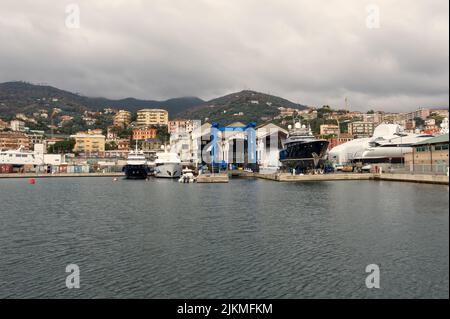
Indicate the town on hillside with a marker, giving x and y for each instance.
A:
(101, 140)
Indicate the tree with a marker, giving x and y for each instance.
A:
(62, 147)
(75, 125)
(111, 146)
(162, 134)
(323, 111)
(419, 122)
(125, 133)
(437, 118)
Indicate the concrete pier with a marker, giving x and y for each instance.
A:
(34, 175)
(213, 178)
(285, 177)
(414, 178)
(279, 177)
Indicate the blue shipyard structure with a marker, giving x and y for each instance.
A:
(223, 162)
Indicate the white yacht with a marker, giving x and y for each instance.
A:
(20, 157)
(168, 165)
(388, 144)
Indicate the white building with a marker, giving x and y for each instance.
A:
(17, 126)
(189, 144)
(270, 140)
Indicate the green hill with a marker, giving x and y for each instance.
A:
(245, 106)
(27, 98)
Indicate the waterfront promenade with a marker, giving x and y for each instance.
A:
(415, 178)
(41, 175)
(278, 177)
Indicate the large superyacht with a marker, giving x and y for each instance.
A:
(302, 151)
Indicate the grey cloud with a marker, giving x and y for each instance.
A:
(313, 52)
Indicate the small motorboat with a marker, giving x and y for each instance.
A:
(187, 176)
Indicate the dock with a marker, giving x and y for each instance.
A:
(285, 177)
(42, 175)
(213, 178)
(278, 177)
(414, 178)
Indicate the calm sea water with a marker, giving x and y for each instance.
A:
(245, 239)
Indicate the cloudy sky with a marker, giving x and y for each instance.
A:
(311, 51)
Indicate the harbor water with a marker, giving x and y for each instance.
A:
(246, 239)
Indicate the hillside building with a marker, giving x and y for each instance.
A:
(329, 129)
(122, 118)
(89, 143)
(144, 134)
(149, 117)
(361, 129)
(14, 140)
(17, 126)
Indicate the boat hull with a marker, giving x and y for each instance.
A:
(136, 171)
(172, 170)
(304, 155)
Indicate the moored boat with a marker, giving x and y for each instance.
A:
(168, 165)
(302, 151)
(136, 167)
(188, 176)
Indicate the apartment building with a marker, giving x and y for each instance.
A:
(36, 137)
(373, 117)
(361, 129)
(329, 129)
(17, 126)
(420, 113)
(89, 142)
(183, 126)
(149, 117)
(122, 118)
(143, 134)
(14, 140)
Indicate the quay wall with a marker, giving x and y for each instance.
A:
(216, 178)
(285, 177)
(34, 175)
(416, 178)
(422, 178)
(280, 177)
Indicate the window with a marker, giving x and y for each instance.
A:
(421, 149)
(441, 147)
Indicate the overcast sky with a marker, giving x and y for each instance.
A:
(313, 52)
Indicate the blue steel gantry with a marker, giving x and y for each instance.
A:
(251, 142)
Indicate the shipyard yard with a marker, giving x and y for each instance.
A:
(249, 238)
